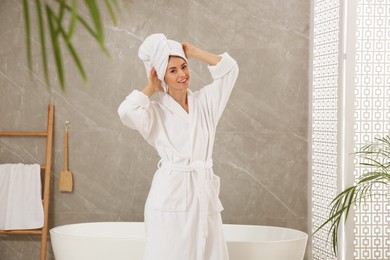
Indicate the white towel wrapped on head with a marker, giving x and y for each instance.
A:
(155, 52)
(20, 196)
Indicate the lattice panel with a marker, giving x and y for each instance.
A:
(372, 221)
(324, 117)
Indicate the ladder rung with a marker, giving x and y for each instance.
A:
(22, 232)
(23, 133)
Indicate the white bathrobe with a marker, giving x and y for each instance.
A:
(182, 212)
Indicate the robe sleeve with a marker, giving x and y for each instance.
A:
(136, 112)
(216, 95)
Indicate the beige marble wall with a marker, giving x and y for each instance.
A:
(261, 145)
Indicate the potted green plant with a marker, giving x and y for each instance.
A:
(375, 157)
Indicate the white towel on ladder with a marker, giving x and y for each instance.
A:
(20, 196)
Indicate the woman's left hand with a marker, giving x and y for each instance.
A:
(189, 50)
(193, 52)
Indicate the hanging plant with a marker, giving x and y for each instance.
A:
(375, 157)
(52, 20)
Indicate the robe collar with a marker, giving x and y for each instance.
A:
(171, 104)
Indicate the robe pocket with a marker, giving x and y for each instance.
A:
(214, 203)
(171, 193)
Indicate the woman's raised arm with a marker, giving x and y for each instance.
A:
(202, 55)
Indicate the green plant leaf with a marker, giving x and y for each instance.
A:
(43, 42)
(56, 46)
(26, 13)
(73, 19)
(112, 14)
(71, 49)
(342, 194)
(368, 178)
(118, 9)
(83, 22)
(375, 163)
(94, 11)
(349, 203)
(331, 218)
(74, 55)
(61, 11)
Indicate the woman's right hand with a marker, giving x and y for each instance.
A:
(154, 84)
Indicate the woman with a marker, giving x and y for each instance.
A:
(182, 212)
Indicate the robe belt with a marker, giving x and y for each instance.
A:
(200, 168)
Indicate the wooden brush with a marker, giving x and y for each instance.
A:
(65, 182)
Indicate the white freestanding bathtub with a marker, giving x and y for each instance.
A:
(125, 241)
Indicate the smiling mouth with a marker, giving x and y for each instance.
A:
(183, 81)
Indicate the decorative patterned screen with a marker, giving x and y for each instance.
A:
(372, 103)
(324, 119)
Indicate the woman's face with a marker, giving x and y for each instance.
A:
(177, 76)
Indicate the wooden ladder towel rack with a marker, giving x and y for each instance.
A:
(46, 184)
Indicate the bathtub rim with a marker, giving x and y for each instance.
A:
(303, 235)
(54, 230)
